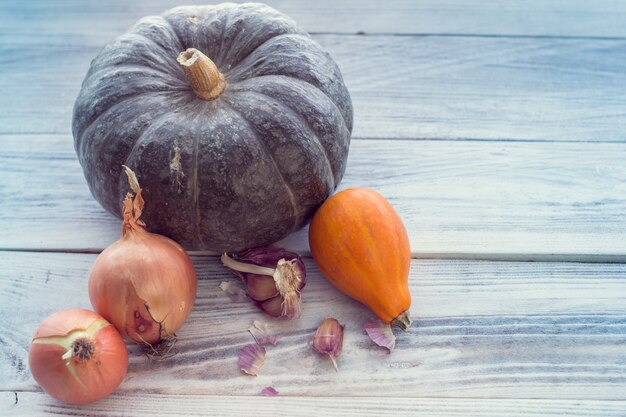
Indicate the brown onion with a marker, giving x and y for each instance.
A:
(145, 284)
(77, 356)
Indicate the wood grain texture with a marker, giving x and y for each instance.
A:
(507, 119)
(402, 87)
(600, 18)
(482, 330)
(521, 201)
(29, 404)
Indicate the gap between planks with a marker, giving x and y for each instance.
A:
(500, 257)
(509, 201)
(26, 134)
(601, 18)
(20, 403)
(470, 35)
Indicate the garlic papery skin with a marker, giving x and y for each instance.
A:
(328, 339)
(233, 292)
(273, 278)
(269, 392)
(381, 334)
(261, 334)
(251, 358)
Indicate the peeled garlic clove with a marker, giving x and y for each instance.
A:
(328, 339)
(381, 334)
(273, 278)
(251, 358)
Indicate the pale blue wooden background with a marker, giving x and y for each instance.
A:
(496, 128)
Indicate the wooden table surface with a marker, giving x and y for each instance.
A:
(498, 131)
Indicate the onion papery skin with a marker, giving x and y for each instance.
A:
(76, 381)
(144, 284)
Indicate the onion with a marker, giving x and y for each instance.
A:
(145, 284)
(77, 356)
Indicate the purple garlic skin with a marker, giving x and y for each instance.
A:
(269, 392)
(267, 256)
(261, 335)
(273, 278)
(381, 334)
(251, 358)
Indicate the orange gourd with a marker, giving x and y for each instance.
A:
(361, 245)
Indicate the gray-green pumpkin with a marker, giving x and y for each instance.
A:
(232, 151)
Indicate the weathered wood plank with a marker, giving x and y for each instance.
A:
(600, 18)
(29, 404)
(402, 87)
(522, 330)
(500, 200)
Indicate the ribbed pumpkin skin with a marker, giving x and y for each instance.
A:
(243, 170)
(361, 245)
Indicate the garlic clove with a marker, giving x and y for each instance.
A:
(381, 334)
(269, 392)
(328, 339)
(251, 358)
(273, 306)
(261, 287)
(261, 334)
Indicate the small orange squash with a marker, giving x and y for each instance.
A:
(361, 245)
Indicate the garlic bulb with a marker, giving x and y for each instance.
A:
(273, 278)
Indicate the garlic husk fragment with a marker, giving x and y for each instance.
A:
(273, 278)
(261, 335)
(233, 292)
(328, 339)
(269, 392)
(251, 358)
(381, 334)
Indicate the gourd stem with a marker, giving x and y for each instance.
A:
(205, 79)
(403, 321)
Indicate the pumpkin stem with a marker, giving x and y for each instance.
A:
(205, 79)
(403, 321)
